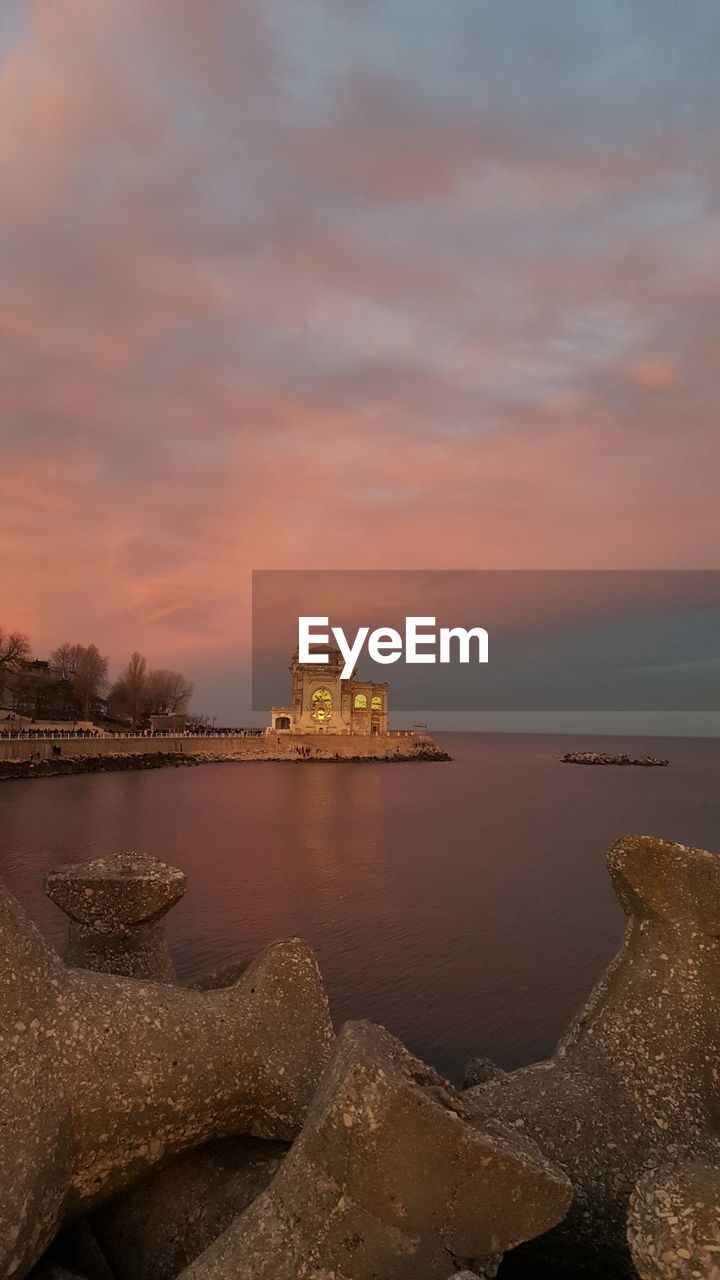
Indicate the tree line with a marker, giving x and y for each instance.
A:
(74, 683)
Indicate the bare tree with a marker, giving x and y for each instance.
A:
(127, 696)
(65, 661)
(14, 649)
(167, 692)
(91, 678)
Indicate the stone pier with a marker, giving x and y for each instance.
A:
(191, 749)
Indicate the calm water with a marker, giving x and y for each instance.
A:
(464, 905)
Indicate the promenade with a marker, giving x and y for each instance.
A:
(248, 744)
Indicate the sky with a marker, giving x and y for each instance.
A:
(293, 284)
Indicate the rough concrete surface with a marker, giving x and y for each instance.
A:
(392, 1177)
(634, 1083)
(116, 907)
(480, 1071)
(674, 1222)
(156, 1227)
(154, 1230)
(104, 1077)
(119, 1096)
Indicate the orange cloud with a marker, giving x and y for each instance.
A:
(654, 375)
(238, 334)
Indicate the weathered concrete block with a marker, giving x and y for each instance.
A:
(155, 1228)
(103, 1077)
(159, 1226)
(117, 907)
(392, 1176)
(635, 1081)
(674, 1222)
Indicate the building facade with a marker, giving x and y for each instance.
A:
(323, 703)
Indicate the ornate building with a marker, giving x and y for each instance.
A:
(323, 703)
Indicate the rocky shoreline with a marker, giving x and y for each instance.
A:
(57, 767)
(599, 757)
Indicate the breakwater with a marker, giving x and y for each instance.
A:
(224, 1131)
(46, 757)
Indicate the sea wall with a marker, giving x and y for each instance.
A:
(398, 746)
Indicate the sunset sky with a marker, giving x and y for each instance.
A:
(301, 283)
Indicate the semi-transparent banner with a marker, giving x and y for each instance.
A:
(502, 640)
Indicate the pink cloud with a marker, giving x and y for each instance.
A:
(654, 375)
(224, 353)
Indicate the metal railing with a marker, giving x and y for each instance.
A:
(65, 735)
(101, 735)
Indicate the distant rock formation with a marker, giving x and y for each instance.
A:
(598, 757)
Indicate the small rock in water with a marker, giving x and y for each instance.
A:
(599, 757)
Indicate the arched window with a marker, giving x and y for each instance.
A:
(321, 705)
(377, 702)
(361, 701)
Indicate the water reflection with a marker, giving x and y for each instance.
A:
(464, 905)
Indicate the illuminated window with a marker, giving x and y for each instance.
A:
(377, 703)
(361, 701)
(321, 705)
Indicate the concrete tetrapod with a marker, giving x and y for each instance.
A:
(117, 907)
(103, 1076)
(163, 1223)
(674, 1222)
(634, 1083)
(392, 1177)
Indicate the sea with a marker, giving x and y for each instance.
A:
(465, 905)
